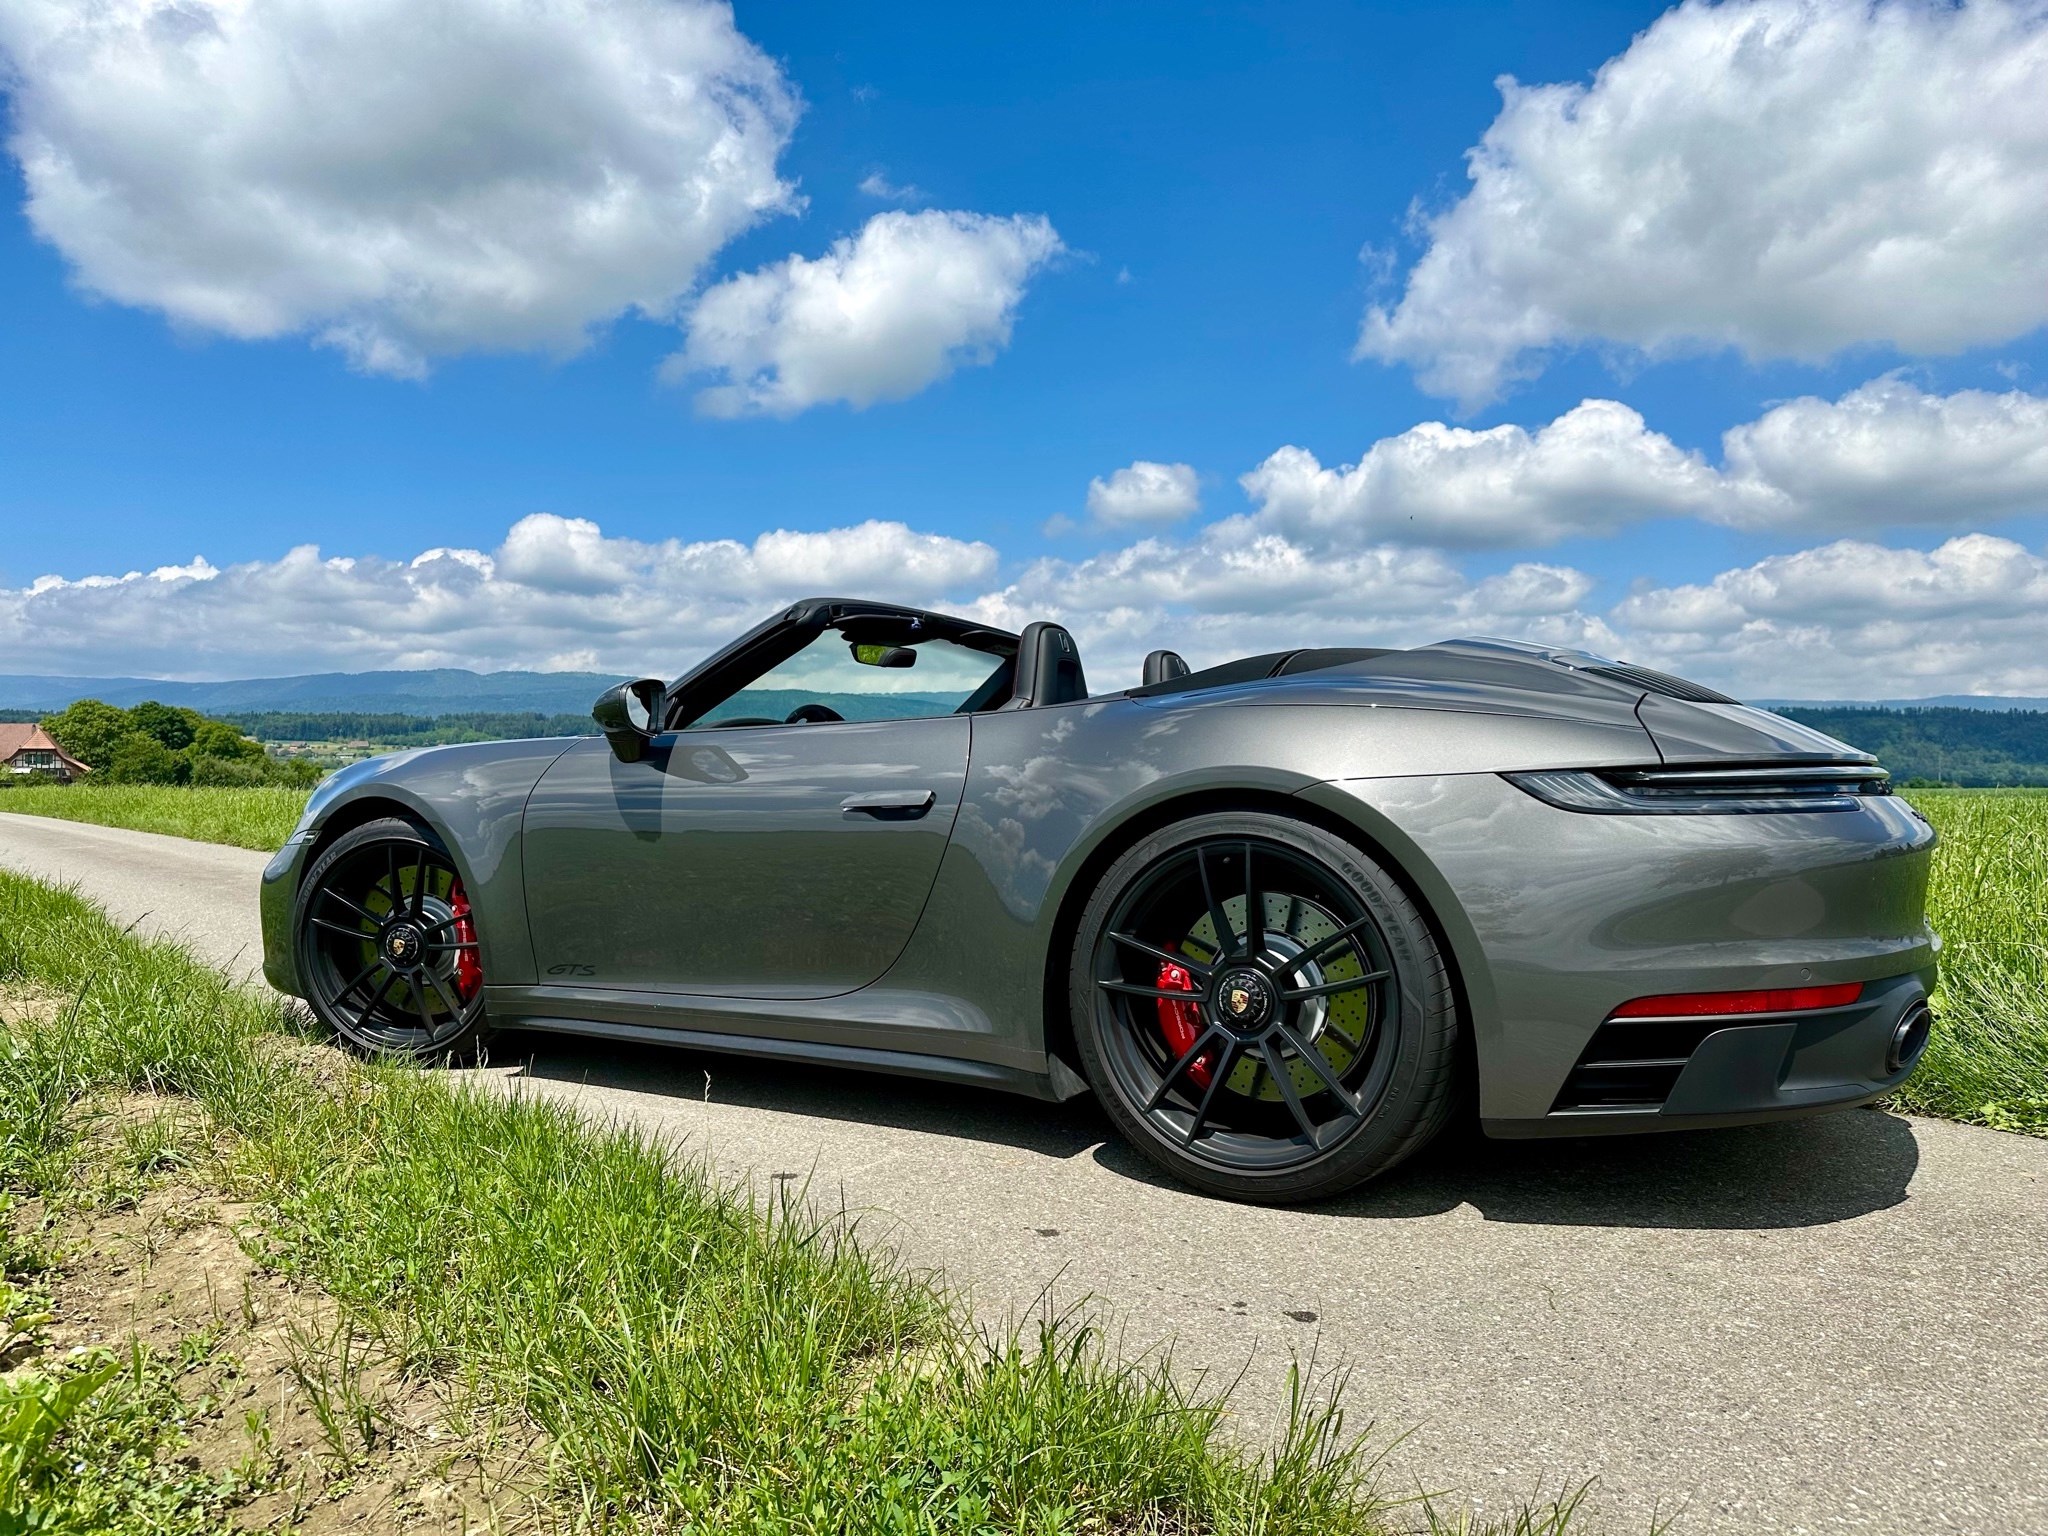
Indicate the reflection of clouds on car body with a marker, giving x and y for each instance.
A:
(713, 765)
(1018, 871)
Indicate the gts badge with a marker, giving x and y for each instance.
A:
(572, 970)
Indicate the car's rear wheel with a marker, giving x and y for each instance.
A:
(387, 944)
(1262, 1008)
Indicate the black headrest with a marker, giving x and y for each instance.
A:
(1048, 668)
(1163, 667)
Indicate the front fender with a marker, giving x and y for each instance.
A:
(472, 797)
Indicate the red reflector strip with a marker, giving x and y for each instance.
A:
(1776, 1000)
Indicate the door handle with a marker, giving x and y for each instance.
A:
(889, 804)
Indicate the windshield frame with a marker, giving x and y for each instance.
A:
(764, 648)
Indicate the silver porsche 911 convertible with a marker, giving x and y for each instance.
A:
(1285, 916)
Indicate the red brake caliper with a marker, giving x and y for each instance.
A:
(469, 971)
(1182, 1022)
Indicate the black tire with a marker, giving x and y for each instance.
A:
(385, 946)
(1232, 1102)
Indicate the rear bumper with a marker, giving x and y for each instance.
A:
(1734, 1071)
(1556, 918)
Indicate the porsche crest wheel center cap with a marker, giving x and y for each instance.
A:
(403, 944)
(1244, 1001)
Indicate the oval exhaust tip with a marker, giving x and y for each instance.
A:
(1909, 1038)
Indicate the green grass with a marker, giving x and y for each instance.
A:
(1988, 1062)
(92, 1447)
(243, 818)
(695, 1361)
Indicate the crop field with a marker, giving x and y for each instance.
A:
(1988, 1064)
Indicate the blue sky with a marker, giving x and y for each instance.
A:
(1230, 189)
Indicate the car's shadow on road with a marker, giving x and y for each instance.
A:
(1798, 1173)
(1801, 1173)
(798, 1088)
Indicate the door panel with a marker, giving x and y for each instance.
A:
(742, 863)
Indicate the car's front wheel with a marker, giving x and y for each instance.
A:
(1262, 1008)
(387, 944)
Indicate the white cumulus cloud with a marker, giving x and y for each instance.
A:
(1885, 455)
(558, 592)
(1852, 580)
(1849, 619)
(403, 179)
(879, 316)
(1888, 453)
(1592, 470)
(1854, 619)
(1144, 492)
(1789, 178)
(1230, 591)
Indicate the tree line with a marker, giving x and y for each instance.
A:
(155, 743)
(406, 730)
(1975, 748)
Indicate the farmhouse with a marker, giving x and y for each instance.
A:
(28, 749)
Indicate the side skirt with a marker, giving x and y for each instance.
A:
(946, 1069)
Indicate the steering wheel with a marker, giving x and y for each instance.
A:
(813, 714)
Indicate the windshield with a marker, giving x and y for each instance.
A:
(829, 681)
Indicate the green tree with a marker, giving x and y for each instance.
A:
(89, 731)
(216, 738)
(172, 726)
(229, 773)
(141, 759)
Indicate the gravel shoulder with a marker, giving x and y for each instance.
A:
(1834, 1325)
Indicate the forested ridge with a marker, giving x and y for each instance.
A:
(1970, 747)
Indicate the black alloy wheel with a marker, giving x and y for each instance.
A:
(1263, 1009)
(387, 947)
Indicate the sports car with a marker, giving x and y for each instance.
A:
(1286, 917)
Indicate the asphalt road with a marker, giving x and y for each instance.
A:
(1835, 1325)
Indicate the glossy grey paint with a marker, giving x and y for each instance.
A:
(1576, 914)
(729, 862)
(472, 797)
(1551, 918)
(1047, 788)
(1687, 732)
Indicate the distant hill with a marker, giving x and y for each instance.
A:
(1994, 701)
(440, 691)
(1944, 745)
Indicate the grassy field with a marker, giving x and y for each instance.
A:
(243, 818)
(1989, 901)
(668, 1354)
(1988, 1062)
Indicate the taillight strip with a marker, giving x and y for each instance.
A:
(1687, 1005)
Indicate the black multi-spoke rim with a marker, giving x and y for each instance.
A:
(390, 948)
(1249, 1003)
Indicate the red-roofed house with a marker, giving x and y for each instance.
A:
(28, 749)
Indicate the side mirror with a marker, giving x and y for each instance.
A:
(630, 716)
(884, 655)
